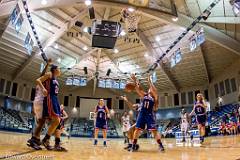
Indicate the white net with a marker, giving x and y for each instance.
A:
(131, 19)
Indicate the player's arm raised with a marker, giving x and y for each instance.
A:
(49, 62)
(139, 91)
(130, 104)
(153, 90)
(41, 79)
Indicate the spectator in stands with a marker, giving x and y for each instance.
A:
(225, 118)
(222, 128)
(85, 127)
(220, 101)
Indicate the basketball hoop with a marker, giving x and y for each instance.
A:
(131, 19)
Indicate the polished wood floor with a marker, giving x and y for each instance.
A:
(13, 146)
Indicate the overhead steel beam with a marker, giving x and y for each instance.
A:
(149, 47)
(225, 20)
(50, 41)
(203, 55)
(97, 71)
(211, 33)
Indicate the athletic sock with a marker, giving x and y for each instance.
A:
(160, 143)
(57, 141)
(47, 137)
(134, 141)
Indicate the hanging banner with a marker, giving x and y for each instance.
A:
(178, 56)
(154, 77)
(193, 43)
(14, 15)
(19, 23)
(28, 43)
(200, 36)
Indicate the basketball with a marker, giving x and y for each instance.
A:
(120, 79)
(130, 87)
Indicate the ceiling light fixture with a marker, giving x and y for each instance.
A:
(50, 28)
(85, 48)
(59, 60)
(115, 50)
(85, 29)
(88, 2)
(123, 33)
(175, 19)
(130, 9)
(157, 39)
(56, 46)
(44, 2)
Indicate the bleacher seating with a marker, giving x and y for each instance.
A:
(215, 117)
(82, 127)
(10, 122)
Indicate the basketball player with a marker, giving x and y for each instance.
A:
(34, 142)
(125, 126)
(64, 116)
(51, 108)
(184, 124)
(101, 115)
(199, 110)
(131, 130)
(146, 115)
(58, 132)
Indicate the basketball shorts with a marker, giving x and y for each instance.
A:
(146, 119)
(125, 127)
(184, 127)
(101, 124)
(201, 119)
(51, 106)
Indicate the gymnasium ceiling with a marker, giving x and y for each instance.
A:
(57, 17)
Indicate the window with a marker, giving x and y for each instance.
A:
(66, 99)
(121, 105)
(8, 87)
(183, 98)
(222, 89)
(137, 100)
(169, 101)
(78, 101)
(33, 92)
(206, 94)
(233, 84)
(190, 97)
(14, 89)
(2, 83)
(227, 85)
(176, 99)
(216, 90)
(109, 103)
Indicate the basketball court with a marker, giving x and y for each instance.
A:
(221, 148)
(69, 68)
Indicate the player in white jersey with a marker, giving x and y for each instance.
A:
(125, 125)
(38, 103)
(184, 124)
(34, 142)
